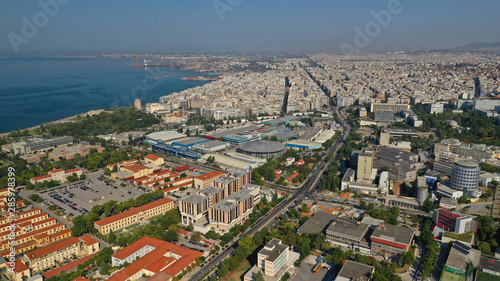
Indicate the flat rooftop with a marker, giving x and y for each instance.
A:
(194, 198)
(393, 233)
(356, 271)
(234, 131)
(348, 227)
(317, 223)
(190, 141)
(273, 249)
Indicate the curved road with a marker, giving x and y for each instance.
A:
(307, 189)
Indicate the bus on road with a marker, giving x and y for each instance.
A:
(316, 268)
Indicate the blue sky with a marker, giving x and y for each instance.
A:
(250, 25)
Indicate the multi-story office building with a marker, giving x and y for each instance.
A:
(454, 221)
(388, 107)
(233, 181)
(207, 179)
(390, 240)
(386, 134)
(133, 215)
(401, 165)
(232, 210)
(434, 108)
(194, 207)
(465, 150)
(272, 257)
(465, 177)
(365, 164)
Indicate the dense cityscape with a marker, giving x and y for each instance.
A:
(232, 140)
(360, 167)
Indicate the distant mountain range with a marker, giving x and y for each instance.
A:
(479, 46)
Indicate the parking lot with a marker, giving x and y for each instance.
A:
(79, 198)
(199, 246)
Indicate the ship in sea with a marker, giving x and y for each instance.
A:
(200, 78)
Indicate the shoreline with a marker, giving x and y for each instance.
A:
(63, 120)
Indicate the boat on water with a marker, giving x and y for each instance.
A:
(199, 78)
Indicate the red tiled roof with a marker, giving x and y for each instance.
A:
(210, 175)
(152, 157)
(137, 245)
(88, 240)
(79, 278)
(72, 171)
(135, 167)
(67, 267)
(160, 264)
(26, 219)
(290, 178)
(154, 259)
(132, 211)
(52, 248)
(56, 171)
(345, 195)
(181, 168)
(19, 266)
(390, 243)
(42, 177)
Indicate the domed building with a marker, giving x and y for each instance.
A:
(262, 148)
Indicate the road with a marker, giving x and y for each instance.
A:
(307, 189)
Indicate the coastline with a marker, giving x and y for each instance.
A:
(63, 120)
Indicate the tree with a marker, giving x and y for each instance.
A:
(247, 244)
(107, 171)
(469, 268)
(112, 237)
(463, 200)
(362, 204)
(305, 209)
(259, 276)
(485, 248)
(104, 268)
(227, 237)
(304, 249)
(212, 235)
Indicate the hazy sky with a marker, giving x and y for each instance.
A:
(245, 25)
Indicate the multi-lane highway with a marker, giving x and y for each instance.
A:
(307, 189)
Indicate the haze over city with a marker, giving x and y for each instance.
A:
(221, 25)
(252, 140)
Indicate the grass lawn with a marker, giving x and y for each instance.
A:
(482, 276)
(466, 237)
(238, 273)
(448, 276)
(132, 226)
